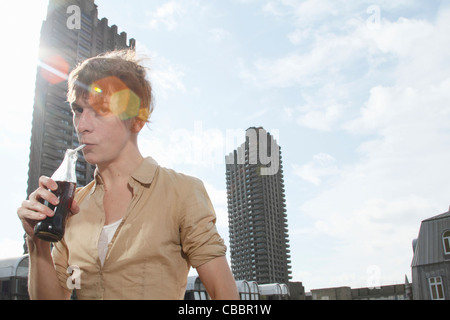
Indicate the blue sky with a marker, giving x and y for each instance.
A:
(356, 93)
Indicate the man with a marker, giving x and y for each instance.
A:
(137, 227)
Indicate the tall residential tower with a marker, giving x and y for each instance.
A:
(259, 243)
(70, 34)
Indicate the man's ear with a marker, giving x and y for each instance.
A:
(137, 125)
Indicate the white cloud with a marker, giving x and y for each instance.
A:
(168, 15)
(322, 109)
(420, 48)
(423, 108)
(417, 102)
(191, 146)
(322, 120)
(299, 36)
(168, 77)
(302, 12)
(329, 58)
(164, 75)
(322, 165)
(175, 15)
(342, 49)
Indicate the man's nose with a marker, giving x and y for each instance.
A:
(84, 122)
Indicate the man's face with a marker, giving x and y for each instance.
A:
(104, 134)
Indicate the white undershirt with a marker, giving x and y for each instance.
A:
(105, 238)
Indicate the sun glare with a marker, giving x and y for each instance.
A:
(20, 59)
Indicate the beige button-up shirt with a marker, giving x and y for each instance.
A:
(168, 227)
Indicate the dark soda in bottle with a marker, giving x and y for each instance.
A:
(52, 228)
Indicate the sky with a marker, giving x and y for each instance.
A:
(356, 92)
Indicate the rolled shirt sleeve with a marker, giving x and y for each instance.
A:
(60, 260)
(199, 237)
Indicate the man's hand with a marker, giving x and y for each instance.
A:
(33, 210)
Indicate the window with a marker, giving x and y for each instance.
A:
(436, 288)
(446, 241)
(5, 289)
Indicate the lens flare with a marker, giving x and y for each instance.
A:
(125, 104)
(111, 95)
(54, 69)
(98, 90)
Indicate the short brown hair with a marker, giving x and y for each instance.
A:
(119, 64)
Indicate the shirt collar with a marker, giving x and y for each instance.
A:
(144, 174)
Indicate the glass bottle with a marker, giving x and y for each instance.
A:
(52, 228)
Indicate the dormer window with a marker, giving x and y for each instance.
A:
(446, 241)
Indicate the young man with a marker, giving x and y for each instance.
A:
(137, 227)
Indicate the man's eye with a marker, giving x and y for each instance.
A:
(77, 109)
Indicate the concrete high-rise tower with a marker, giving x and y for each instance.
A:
(259, 244)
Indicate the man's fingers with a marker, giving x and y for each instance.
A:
(47, 183)
(45, 195)
(24, 212)
(34, 210)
